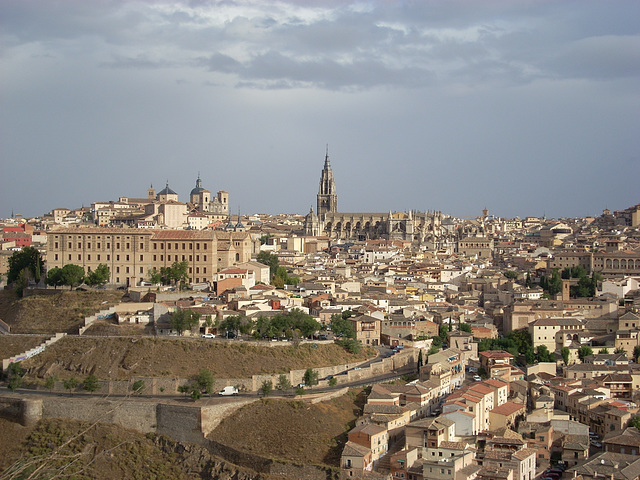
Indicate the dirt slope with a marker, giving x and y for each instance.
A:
(108, 452)
(311, 434)
(122, 358)
(53, 311)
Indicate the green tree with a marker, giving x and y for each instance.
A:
(603, 351)
(231, 324)
(333, 381)
(155, 276)
(54, 277)
(205, 381)
(266, 388)
(282, 278)
(544, 355)
(99, 277)
(420, 360)
(182, 320)
(529, 356)
(310, 377)
(138, 387)
(15, 372)
(443, 330)
(269, 259)
(14, 383)
(283, 383)
(636, 353)
(196, 394)
(464, 327)
(619, 350)
(70, 384)
(28, 258)
(90, 384)
(635, 422)
(342, 327)
(72, 275)
(584, 351)
(565, 352)
(50, 382)
(263, 240)
(510, 274)
(351, 345)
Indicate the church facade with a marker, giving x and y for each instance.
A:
(417, 227)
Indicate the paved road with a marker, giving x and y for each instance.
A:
(214, 398)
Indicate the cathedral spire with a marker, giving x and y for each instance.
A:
(327, 198)
(327, 163)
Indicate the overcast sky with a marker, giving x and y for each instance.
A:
(523, 107)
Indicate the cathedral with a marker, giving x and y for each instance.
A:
(424, 228)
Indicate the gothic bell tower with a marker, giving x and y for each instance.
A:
(327, 197)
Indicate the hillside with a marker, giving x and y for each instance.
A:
(311, 434)
(124, 357)
(53, 311)
(106, 452)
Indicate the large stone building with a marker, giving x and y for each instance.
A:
(132, 253)
(419, 227)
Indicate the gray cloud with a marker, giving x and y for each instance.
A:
(524, 106)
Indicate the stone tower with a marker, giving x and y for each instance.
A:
(327, 197)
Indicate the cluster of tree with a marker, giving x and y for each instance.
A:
(73, 275)
(176, 274)
(518, 342)
(341, 325)
(184, 319)
(586, 286)
(201, 384)
(24, 266)
(551, 285)
(293, 324)
(279, 275)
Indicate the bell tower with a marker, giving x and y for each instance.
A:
(327, 197)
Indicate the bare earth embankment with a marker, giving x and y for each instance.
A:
(292, 430)
(113, 358)
(54, 311)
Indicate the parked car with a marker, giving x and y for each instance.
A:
(228, 391)
(596, 444)
(477, 378)
(208, 335)
(301, 385)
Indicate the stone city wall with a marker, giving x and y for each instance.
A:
(138, 415)
(21, 410)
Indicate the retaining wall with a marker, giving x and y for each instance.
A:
(138, 415)
(101, 315)
(4, 328)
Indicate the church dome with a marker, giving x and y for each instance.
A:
(167, 191)
(198, 188)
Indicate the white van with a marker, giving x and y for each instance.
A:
(228, 391)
